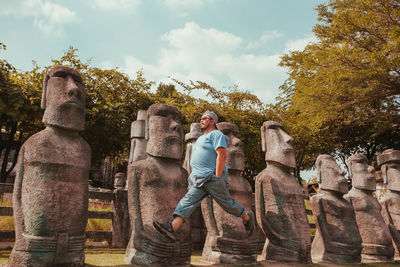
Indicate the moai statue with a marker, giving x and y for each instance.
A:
(337, 239)
(279, 200)
(155, 186)
(190, 139)
(107, 173)
(50, 199)
(375, 236)
(138, 140)
(119, 180)
(389, 161)
(227, 241)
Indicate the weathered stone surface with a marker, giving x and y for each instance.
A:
(155, 186)
(227, 242)
(337, 239)
(138, 140)
(50, 198)
(375, 236)
(389, 161)
(190, 139)
(279, 201)
(121, 228)
(119, 180)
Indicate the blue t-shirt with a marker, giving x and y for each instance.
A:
(204, 157)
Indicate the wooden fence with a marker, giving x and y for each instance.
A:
(120, 227)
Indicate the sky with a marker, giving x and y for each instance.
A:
(220, 42)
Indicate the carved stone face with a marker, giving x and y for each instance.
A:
(119, 180)
(389, 161)
(276, 144)
(391, 175)
(362, 174)
(234, 151)
(64, 98)
(330, 175)
(164, 132)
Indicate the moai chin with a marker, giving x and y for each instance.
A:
(138, 140)
(190, 139)
(376, 239)
(337, 239)
(227, 242)
(155, 186)
(279, 200)
(50, 199)
(389, 161)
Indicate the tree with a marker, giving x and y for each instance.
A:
(19, 115)
(342, 94)
(112, 102)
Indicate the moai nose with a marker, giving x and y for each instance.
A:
(72, 87)
(288, 139)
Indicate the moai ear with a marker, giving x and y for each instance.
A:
(318, 167)
(146, 128)
(384, 173)
(44, 92)
(263, 141)
(349, 168)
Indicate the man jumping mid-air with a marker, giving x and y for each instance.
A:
(209, 177)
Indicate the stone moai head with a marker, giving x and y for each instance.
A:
(234, 151)
(63, 99)
(195, 132)
(119, 180)
(138, 126)
(276, 143)
(164, 133)
(389, 161)
(362, 175)
(330, 175)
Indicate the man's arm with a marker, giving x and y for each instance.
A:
(221, 158)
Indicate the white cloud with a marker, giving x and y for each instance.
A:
(48, 17)
(264, 38)
(213, 56)
(113, 4)
(299, 44)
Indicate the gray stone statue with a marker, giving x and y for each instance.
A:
(138, 140)
(119, 180)
(389, 161)
(155, 186)
(337, 239)
(375, 236)
(279, 200)
(227, 241)
(50, 199)
(190, 139)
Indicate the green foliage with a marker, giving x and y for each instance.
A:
(112, 102)
(19, 114)
(342, 93)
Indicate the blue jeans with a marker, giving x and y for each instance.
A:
(217, 188)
